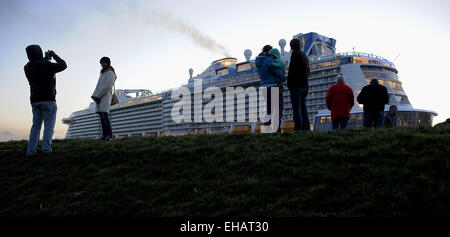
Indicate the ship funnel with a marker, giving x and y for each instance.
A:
(282, 44)
(248, 54)
(191, 71)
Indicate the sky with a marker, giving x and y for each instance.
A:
(152, 44)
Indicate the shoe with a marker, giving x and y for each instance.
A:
(100, 139)
(107, 138)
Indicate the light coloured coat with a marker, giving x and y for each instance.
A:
(103, 91)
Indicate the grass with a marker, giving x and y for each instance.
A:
(392, 172)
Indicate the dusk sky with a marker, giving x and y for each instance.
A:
(152, 44)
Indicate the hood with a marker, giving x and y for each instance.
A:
(34, 53)
(259, 61)
(275, 53)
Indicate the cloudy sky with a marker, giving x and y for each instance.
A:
(152, 44)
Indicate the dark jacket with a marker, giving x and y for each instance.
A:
(41, 74)
(298, 70)
(340, 100)
(390, 121)
(269, 75)
(373, 97)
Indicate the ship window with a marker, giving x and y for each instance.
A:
(221, 72)
(243, 67)
(404, 100)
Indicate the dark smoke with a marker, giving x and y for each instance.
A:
(172, 23)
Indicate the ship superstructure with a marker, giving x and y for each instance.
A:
(150, 113)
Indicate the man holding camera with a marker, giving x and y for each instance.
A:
(40, 73)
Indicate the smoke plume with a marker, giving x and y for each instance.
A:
(168, 21)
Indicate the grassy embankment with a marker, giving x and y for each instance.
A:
(353, 173)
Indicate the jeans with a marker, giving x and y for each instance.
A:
(374, 118)
(44, 111)
(280, 105)
(298, 100)
(106, 124)
(339, 123)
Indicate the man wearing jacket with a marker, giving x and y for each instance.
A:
(390, 119)
(373, 96)
(297, 82)
(40, 73)
(340, 101)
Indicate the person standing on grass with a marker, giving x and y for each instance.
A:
(373, 96)
(340, 101)
(41, 75)
(278, 68)
(271, 77)
(103, 96)
(297, 82)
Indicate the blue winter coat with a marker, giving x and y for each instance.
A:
(269, 75)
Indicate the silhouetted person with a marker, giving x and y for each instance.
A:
(373, 96)
(40, 73)
(297, 82)
(340, 101)
(271, 77)
(390, 119)
(103, 95)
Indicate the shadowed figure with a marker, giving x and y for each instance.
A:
(40, 73)
(297, 82)
(373, 96)
(390, 119)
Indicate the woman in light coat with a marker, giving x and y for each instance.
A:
(103, 95)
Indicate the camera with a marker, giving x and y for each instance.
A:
(47, 57)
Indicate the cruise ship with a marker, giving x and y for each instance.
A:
(143, 113)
